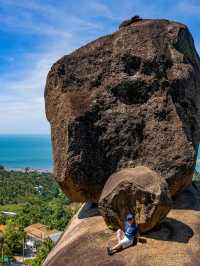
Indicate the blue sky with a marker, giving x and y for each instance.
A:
(35, 33)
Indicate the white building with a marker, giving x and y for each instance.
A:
(8, 214)
(37, 233)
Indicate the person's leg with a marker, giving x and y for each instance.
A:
(124, 243)
(120, 235)
(116, 247)
(120, 238)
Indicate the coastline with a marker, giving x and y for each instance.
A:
(28, 170)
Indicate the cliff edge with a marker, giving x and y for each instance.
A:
(175, 242)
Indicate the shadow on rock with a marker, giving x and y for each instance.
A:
(87, 250)
(89, 210)
(171, 230)
(189, 199)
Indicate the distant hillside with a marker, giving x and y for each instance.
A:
(16, 187)
(35, 198)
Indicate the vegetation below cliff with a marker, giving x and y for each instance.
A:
(35, 198)
(16, 187)
(196, 176)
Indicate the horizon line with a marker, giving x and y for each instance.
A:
(25, 134)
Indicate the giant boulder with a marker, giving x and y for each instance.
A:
(127, 99)
(137, 190)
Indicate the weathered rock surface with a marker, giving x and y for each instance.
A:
(137, 190)
(127, 99)
(176, 242)
(128, 22)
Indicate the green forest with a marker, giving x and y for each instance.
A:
(35, 198)
(17, 186)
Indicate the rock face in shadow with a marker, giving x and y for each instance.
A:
(175, 242)
(137, 190)
(127, 99)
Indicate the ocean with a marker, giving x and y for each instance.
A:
(33, 151)
(21, 151)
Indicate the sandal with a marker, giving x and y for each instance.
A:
(110, 253)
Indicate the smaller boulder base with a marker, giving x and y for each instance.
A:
(137, 190)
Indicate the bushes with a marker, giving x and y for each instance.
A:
(36, 198)
(16, 187)
(55, 214)
(11, 241)
(13, 238)
(196, 176)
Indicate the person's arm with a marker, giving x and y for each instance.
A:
(125, 226)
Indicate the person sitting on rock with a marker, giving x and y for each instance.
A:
(126, 238)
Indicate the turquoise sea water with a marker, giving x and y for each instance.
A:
(20, 151)
(34, 151)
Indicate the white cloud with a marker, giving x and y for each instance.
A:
(21, 90)
(23, 117)
(38, 65)
(189, 8)
(99, 9)
(25, 25)
(31, 5)
(53, 20)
